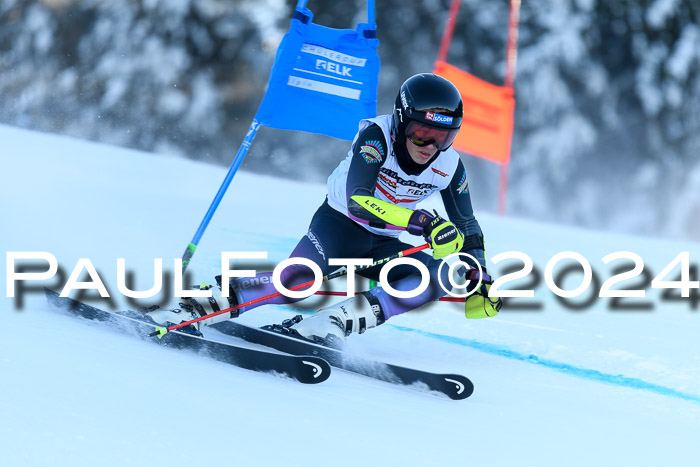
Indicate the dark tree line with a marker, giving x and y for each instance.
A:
(607, 122)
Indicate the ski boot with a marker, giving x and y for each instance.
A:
(330, 326)
(194, 307)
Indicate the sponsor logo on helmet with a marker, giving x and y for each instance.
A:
(372, 152)
(442, 174)
(437, 118)
(404, 101)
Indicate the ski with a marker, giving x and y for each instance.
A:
(454, 386)
(304, 368)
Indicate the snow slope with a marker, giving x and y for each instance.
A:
(553, 387)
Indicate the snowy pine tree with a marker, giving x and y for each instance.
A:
(607, 127)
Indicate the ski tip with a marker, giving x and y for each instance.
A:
(458, 387)
(50, 294)
(315, 370)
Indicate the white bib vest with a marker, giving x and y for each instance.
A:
(393, 184)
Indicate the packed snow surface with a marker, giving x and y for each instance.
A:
(557, 386)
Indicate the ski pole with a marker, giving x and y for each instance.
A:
(242, 151)
(161, 331)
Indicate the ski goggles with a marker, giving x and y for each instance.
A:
(423, 135)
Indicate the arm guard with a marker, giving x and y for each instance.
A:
(379, 213)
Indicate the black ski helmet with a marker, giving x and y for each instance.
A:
(429, 100)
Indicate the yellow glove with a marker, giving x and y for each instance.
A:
(480, 305)
(444, 237)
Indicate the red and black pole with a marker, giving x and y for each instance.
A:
(161, 331)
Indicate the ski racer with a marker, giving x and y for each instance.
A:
(394, 162)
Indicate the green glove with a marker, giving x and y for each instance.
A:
(480, 305)
(443, 236)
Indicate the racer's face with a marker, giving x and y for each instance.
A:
(423, 141)
(421, 154)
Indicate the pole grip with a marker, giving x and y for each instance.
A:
(187, 256)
